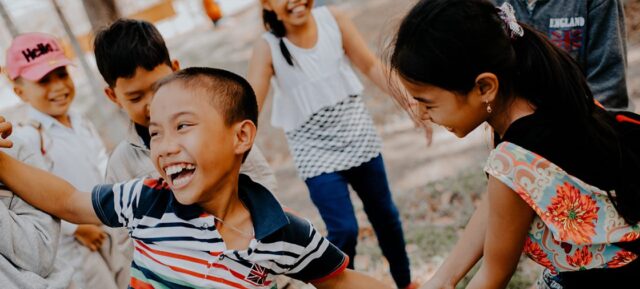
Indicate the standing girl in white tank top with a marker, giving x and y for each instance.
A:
(308, 54)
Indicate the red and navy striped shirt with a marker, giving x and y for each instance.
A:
(178, 246)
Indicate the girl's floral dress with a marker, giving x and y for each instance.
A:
(576, 225)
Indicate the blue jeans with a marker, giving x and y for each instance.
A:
(330, 193)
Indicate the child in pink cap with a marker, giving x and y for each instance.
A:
(71, 147)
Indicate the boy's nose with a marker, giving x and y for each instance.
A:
(168, 147)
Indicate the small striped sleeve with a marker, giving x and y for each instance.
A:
(115, 204)
(319, 260)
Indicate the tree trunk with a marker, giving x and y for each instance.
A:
(101, 12)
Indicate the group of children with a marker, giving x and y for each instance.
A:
(189, 201)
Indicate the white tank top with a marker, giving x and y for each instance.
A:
(321, 76)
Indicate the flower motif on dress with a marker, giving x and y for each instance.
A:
(573, 214)
(631, 236)
(621, 258)
(581, 258)
(533, 250)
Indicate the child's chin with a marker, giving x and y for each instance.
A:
(185, 200)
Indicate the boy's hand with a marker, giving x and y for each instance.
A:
(91, 236)
(5, 131)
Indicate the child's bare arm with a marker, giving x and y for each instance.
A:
(260, 71)
(356, 48)
(47, 192)
(352, 280)
(466, 252)
(509, 220)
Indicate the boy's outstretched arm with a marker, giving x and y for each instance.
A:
(352, 280)
(47, 192)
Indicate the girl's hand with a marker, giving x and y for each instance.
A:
(5, 131)
(91, 236)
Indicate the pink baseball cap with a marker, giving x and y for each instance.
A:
(33, 55)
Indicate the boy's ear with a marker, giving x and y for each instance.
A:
(111, 95)
(175, 65)
(19, 91)
(245, 133)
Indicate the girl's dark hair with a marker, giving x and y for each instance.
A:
(276, 27)
(448, 43)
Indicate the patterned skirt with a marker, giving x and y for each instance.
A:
(336, 138)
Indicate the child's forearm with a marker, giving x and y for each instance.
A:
(352, 280)
(47, 192)
(468, 249)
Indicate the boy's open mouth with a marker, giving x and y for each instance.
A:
(179, 174)
(59, 99)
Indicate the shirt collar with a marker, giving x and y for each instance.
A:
(134, 138)
(47, 121)
(266, 212)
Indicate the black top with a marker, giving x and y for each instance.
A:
(566, 146)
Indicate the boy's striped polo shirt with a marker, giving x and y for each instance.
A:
(178, 246)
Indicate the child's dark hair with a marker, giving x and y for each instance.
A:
(276, 27)
(126, 45)
(231, 94)
(448, 43)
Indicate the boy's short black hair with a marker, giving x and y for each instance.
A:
(126, 45)
(228, 92)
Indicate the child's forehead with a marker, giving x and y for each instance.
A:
(178, 96)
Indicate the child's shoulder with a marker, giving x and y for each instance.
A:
(27, 131)
(130, 161)
(298, 230)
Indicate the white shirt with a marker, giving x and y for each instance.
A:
(321, 76)
(75, 154)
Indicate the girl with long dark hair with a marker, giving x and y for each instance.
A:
(563, 182)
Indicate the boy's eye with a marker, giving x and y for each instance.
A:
(183, 125)
(153, 133)
(135, 99)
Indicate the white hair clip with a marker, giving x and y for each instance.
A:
(508, 15)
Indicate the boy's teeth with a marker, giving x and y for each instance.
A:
(181, 181)
(178, 168)
(173, 169)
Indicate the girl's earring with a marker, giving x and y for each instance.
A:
(489, 110)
